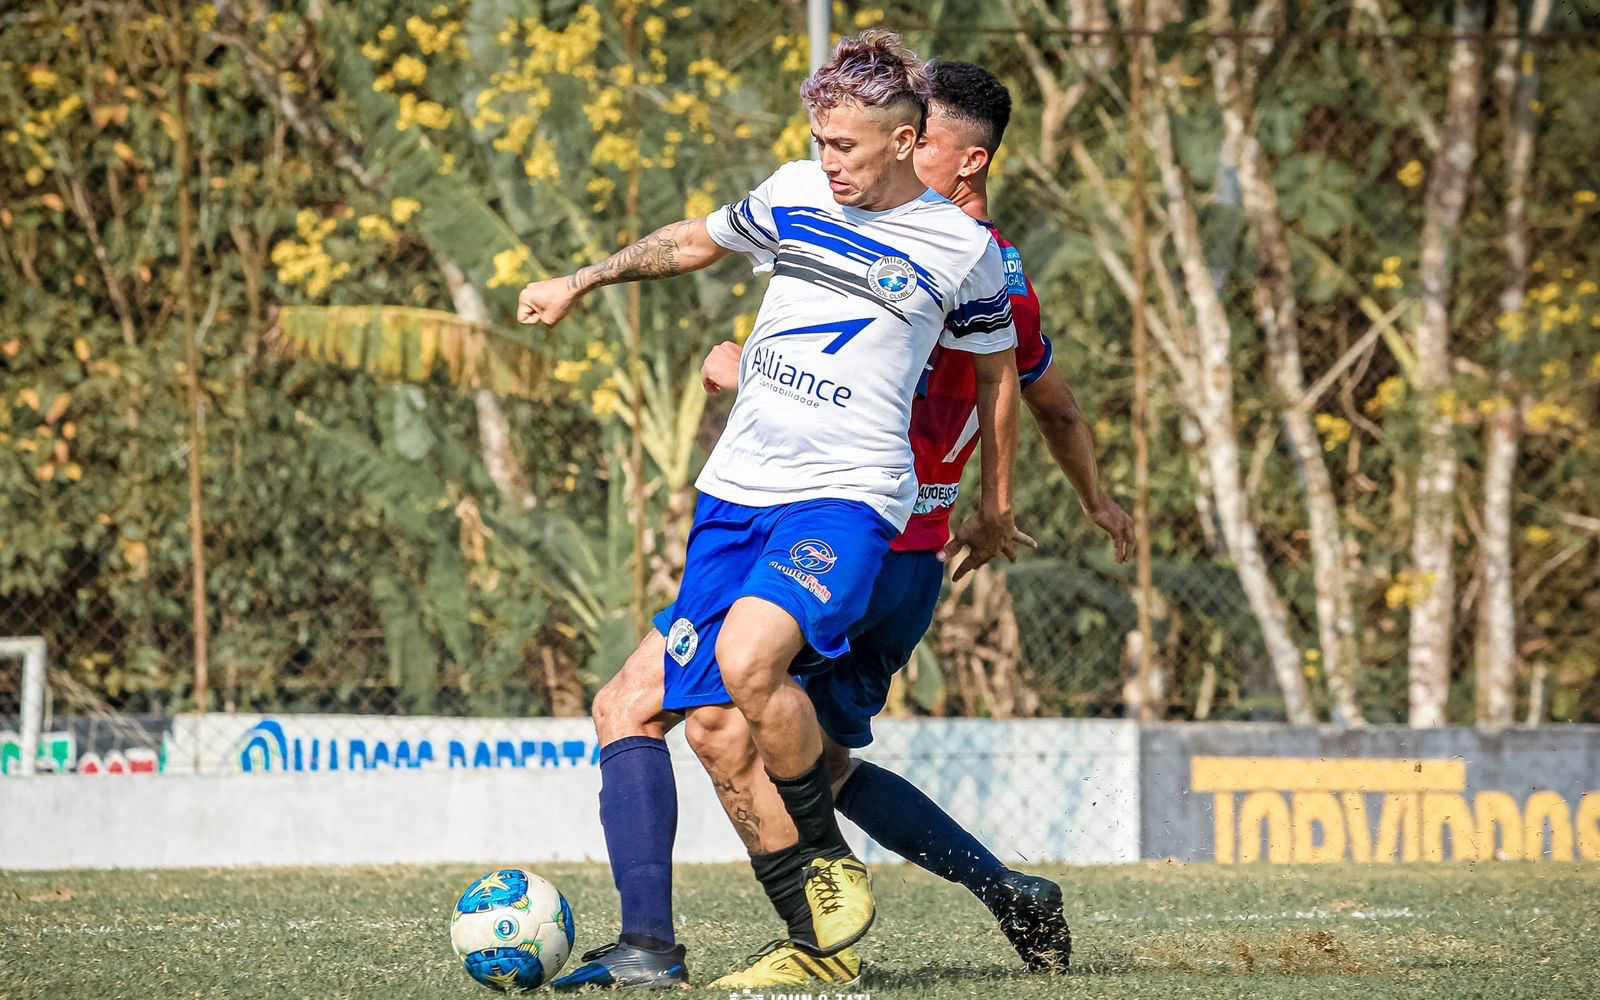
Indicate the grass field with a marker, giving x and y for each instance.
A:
(1447, 932)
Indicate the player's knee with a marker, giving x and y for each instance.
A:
(746, 672)
(838, 760)
(718, 735)
(603, 711)
(624, 708)
(840, 765)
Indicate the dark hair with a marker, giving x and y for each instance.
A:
(873, 69)
(972, 93)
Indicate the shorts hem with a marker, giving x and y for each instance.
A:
(851, 741)
(685, 702)
(793, 605)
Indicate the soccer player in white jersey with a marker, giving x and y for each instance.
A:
(813, 478)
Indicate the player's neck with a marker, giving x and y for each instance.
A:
(972, 197)
(903, 187)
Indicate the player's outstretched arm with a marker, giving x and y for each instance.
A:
(673, 249)
(993, 531)
(1071, 442)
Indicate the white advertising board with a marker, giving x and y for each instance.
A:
(338, 790)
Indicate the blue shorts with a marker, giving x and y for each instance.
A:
(898, 614)
(815, 559)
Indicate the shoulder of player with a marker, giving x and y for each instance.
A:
(797, 167)
(806, 173)
(968, 238)
(983, 252)
(998, 236)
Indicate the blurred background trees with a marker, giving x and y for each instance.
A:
(1365, 267)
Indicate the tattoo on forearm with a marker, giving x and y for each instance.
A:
(741, 809)
(655, 256)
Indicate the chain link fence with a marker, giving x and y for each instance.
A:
(1301, 161)
(428, 548)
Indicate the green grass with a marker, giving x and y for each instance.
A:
(1446, 932)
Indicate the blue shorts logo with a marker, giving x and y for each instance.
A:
(682, 641)
(813, 555)
(892, 278)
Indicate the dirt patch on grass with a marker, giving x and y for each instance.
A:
(1310, 953)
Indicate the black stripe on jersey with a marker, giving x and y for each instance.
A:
(982, 326)
(740, 226)
(809, 269)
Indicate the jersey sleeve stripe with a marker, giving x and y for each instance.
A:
(982, 307)
(744, 209)
(1035, 373)
(986, 326)
(743, 228)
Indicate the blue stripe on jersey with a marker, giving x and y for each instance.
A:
(744, 209)
(810, 226)
(846, 330)
(1035, 373)
(968, 313)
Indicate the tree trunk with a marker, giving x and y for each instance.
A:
(1214, 413)
(1277, 310)
(1433, 525)
(494, 430)
(1496, 651)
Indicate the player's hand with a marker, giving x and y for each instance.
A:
(984, 536)
(721, 368)
(1110, 518)
(547, 301)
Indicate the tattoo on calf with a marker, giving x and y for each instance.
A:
(741, 809)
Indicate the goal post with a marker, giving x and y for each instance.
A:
(31, 651)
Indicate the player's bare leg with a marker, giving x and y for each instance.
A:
(757, 643)
(1027, 908)
(720, 737)
(630, 702)
(639, 815)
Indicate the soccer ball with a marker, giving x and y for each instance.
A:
(512, 930)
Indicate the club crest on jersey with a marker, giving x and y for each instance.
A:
(892, 278)
(813, 556)
(682, 641)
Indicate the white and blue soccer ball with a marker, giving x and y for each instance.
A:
(512, 930)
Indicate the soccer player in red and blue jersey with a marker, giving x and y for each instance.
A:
(967, 117)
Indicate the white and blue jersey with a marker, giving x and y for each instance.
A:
(856, 304)
(813, 476)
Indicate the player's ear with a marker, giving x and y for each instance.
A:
(974, 161)
(905, 141)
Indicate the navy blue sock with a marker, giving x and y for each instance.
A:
(639, 813)
(891, 810)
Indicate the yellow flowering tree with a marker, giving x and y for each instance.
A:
(516, 145)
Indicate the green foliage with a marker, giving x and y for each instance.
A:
(359, 555)
(411, 344)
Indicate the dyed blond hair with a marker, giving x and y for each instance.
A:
(875, 70)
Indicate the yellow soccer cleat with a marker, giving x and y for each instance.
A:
(839, 893)
(782, 963)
